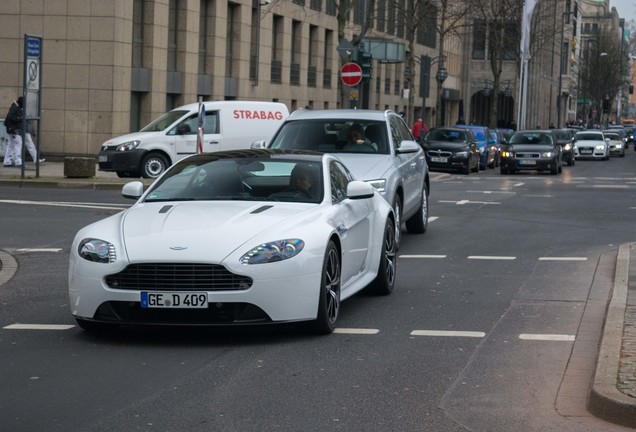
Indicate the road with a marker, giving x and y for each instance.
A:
(476, 337)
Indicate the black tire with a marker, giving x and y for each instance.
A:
(153, 165)
(418, 223)
(466, 169)
(554, 169)
(385, 280)
(329, 302)
(476, 169)
(94, 326)
(397, 210)
(503, 170)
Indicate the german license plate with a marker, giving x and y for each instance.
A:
(103, 158)
(527, 162)
(176, 300)
(439, 159)
(586, 151)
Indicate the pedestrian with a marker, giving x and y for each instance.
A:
(13, 124)
(551, 125)
(28, 141)
(418, 127)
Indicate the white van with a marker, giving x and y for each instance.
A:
(228, 125)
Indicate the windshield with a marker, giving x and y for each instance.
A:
(240, 179)
(446, 136)
(164, 121)
(531, 138)
(588, 136)
(613, 136)
(333, 136)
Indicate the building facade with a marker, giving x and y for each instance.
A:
(109, 67)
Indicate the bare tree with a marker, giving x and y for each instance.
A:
(501, 21)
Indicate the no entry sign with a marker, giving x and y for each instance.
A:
(351, 74)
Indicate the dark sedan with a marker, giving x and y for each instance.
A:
(451, 149)
(532, 150)
(564, 137)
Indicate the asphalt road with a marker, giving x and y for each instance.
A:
(477, 335)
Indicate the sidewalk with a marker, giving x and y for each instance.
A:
(612, 394)
(51, 174)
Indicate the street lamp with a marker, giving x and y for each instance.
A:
(440, 77)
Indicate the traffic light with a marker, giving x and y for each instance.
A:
(365, 60)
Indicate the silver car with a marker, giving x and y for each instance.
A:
(376, 146)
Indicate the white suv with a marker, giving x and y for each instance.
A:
(388, 156)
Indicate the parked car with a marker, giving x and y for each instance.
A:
(487, 145)
(532, 150)
(173, 136)
(392, 160)
(564, 138)
(451, 149)
(591, 144)
(616, 142)
(213, 242)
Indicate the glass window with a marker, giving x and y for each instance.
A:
(340, 178)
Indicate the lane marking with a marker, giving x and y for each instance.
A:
(462, 202)
(55, 250)
(360, 331)
(487, 192)
(423, 256)
(486, 257)
(433, 218)
(448, 333)
(547, 337)
(38, 327)
(562, 258)
(610, 186)
(66, 204)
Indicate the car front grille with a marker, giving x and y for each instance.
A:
(178, 277)
(527, 155)
(440, 153)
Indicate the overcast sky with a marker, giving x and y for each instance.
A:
(626, 8)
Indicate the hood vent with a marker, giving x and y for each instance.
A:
(165, 209)
(262, 209)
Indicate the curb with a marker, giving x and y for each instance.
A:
(605, 400)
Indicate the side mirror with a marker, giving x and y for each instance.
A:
(132, 190)
(184, 129)
(259, 144)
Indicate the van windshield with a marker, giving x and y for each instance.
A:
(165, 120)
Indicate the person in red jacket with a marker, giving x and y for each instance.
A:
(418, 127)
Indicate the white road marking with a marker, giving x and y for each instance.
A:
(433, 218)
(66, 204)
(361, 331)
(518, 184)
(55, 250)
(423, 256)
(462, 202)
(38, 327)
(538, 196)
(487, 257)
(487, 192)
(562, 258)
(610, 186)
(547, 337)
(448, 333)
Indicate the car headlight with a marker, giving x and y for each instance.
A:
(546, 154)
(619, 146)
(379, 184)
(97, 250)
(461, 154)
(567, 147)
(507, 154)
(600, 147)
(275, 251)
(127, 146)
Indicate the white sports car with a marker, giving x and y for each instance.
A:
(240, 237)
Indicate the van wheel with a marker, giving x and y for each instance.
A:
(153, 165)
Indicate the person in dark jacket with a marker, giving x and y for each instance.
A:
(13, 123)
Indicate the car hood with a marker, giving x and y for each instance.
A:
(135, 136)
(444, 145)
(367, 166)
(530, 147)
(590, 142)
(204, 231)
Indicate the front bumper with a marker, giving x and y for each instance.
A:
(590, 152)
(114, 161)
(536, 164)
(447, 162)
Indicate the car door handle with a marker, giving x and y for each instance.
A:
(214, 142)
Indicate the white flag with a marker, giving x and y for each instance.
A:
(526, 20)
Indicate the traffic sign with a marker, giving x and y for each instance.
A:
(351, 74)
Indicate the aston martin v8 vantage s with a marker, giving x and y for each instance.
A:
(237, 237)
